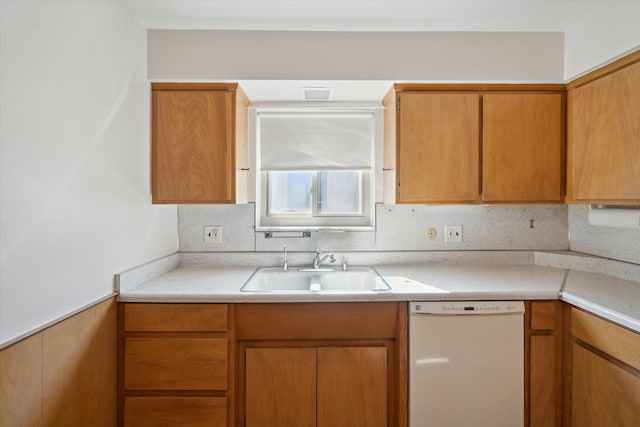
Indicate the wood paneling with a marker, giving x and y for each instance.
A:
(542, 390)
(68, 371)
(175, 363)
(316, 320)
(21, 383)
(352, 387)
(280, 387)
(603, 394)
(620, 343)
(438, 147)
(523, 137)
(105, 365)
(183, 411)
(604, 139)
(193, 146)
(175, 317)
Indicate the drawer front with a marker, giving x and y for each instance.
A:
(175, 411)
(175, 363)
(175, 317)
(543, 315)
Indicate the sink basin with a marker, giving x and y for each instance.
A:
(355, 279)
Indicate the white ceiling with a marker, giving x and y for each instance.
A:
(357, 15)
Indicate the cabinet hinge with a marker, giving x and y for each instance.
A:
(398, 105)
(398, 189)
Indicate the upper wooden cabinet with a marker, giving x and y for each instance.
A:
(523, 147)
(438, 147)
(198, 142)
(477, 143)
(604, 135)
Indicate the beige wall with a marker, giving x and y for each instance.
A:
(425, 56)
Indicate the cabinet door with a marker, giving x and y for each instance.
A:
(522, 148)
(603, 393)
(604, 138)
(438, 147)
(352, 386)
(280, 387)
(193, 146)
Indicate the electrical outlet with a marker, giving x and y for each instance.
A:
(213, 234)
(452, 233)
(431, 233)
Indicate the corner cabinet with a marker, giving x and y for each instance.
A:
(602, 372)
(477, 143)
(604, 135)
(322, 364)
(174, 365)
(198, 142)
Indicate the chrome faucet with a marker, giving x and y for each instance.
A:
(317, 261)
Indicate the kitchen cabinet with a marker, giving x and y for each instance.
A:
(602, 369)
(604, 135)
(321, 364)
(523, 147)
(174, 364)
(438, 148)
(477, 143)
(198, 142)
(543, 358)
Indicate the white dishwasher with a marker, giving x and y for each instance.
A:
(466, 364)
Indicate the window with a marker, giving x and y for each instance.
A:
(315, 170)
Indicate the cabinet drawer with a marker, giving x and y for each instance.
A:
(543, 315)
(175, 363)
(175, 411)
(175, 317)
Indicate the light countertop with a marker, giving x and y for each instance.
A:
(519, 277)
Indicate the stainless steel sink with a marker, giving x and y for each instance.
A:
(355, 279)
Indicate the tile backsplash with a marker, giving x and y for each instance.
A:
(398, 228)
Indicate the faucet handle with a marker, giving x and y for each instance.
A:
(285, 265)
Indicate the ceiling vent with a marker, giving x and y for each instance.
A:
(317, 93)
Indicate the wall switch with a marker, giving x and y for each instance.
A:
(452, 233)
(213, 234)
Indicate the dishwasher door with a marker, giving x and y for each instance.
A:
(466, 364)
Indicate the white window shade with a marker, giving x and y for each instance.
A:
(315, 141)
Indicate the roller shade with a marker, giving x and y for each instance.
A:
(311, 141)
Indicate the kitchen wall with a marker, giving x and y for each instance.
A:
(308, 55)
(616, 243)
(399, 227)
(74, 159)
(608, 33)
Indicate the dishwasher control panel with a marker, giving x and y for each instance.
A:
(466, 307)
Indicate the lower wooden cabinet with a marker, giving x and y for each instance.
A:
(174, 365)
(182, 411)
(602, 372)
(324, 364)
(543, 352)
(332, 386)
